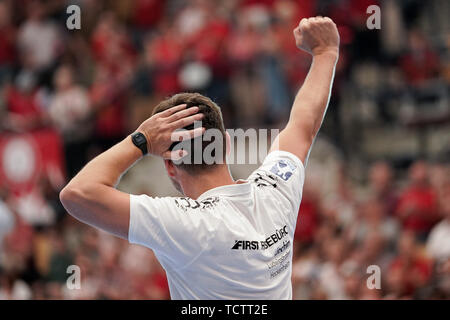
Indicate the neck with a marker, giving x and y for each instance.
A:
(197, 184)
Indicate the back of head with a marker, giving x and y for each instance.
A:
(196, 162)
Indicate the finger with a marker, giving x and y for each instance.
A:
(187, 134)
(303, 23)
(328, 19)
(175, 155)
(186, 121)
(170, 111)
(182, 114)
(298, 36)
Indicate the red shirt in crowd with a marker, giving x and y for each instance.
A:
(23, 104)
(417, 209)
(307, 221)
(148, 13)
(7, 45)
(414, 273)
(419, 67)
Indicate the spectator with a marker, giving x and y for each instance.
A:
(409, 270)
(308, 217)
(381, 185)
(24, 110)
(373, 219)
(39, 39)
(420, 64)
(6, 220)
(7, 42)
(70, 112)
(438, 243)
(416, 207)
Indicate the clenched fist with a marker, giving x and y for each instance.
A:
(317, 35)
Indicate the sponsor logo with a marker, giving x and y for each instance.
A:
(246, 245)
(283, 169)
(261, 245)
(276, 262)
(286, 244)
(186, 204)
(280, 270)
(263, 179)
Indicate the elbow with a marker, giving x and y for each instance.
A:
(65, 195)
(71, 198)
(77, 198)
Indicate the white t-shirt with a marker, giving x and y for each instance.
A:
(234, 241)
(438, 244)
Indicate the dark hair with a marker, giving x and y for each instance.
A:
(212, 119)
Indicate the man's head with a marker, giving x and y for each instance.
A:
(380, 176)
(194, 163)
(418, 173)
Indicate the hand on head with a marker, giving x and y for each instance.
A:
(160, 130)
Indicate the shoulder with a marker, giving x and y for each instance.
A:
(181, 211)
(143, 201)
(280, 168)
(282, 164)
(188, 204)
(280, 177)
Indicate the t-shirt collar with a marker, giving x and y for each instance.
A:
(227, 190)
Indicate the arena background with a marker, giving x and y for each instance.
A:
(377, 190)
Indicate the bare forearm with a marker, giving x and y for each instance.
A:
(91, 196)
(311, 102)
(319, 37)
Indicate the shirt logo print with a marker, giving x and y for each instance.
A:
(190, 204)
(283, 169)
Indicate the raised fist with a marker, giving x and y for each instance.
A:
(317, 35)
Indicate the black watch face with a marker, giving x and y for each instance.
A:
(139, 139)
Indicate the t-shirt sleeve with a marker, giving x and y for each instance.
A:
(159, 224)
(282, 174)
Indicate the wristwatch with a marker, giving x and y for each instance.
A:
(140, 141)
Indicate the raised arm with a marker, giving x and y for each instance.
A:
(319, 37)
(91, 196)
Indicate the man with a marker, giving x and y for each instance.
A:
(225, 239)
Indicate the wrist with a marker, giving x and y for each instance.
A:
(136, 154)
(326, 53)
(140, 142)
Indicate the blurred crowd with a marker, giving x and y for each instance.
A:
(95, 85)
(400, 227)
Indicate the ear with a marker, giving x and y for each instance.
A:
(170, 167)
(228, 142)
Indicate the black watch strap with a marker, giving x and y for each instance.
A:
(140, 141)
